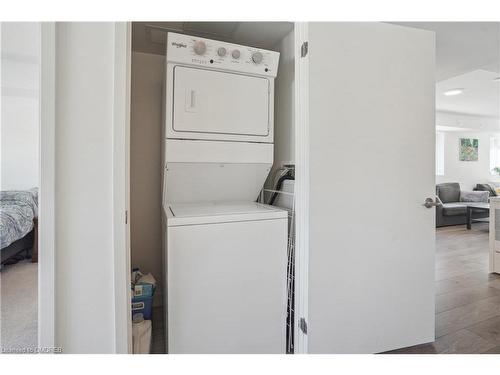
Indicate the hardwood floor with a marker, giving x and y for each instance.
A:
(467, 296)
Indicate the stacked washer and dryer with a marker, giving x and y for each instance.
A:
(225, 254)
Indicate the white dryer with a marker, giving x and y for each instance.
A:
(219, 91)
(219, 120)
(225, 255)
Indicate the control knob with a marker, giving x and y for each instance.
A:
(221, 52)
(257, 57)
(199, 47)
(236, 54)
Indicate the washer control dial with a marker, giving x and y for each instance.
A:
(236, 54)
(257, 57)
(200, 47)
(221, 51)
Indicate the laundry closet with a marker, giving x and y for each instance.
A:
(212, 174)
(277, 176)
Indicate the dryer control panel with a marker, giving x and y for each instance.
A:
(208, 53)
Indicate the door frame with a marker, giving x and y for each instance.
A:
(121, 195)
(301, 186)
(121, 186)
(47, 184)
(47, 179)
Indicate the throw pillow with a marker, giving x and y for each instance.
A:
(474, 196)
(486, 187)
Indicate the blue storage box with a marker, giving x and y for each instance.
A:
(144, 306)
(142, 300)
(143, 290)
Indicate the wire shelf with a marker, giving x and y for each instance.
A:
(290, 272)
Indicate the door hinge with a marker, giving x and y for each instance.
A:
(303, 325)
(304, 49)
(126, 217)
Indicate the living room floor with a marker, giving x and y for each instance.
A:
(467, 296)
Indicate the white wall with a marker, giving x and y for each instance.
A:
(466, 122)
(284, 104)
(84, 190)
(145, 164)
(467, 173)
(20, 119)
(284, 100)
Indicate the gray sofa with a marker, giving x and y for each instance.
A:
(452, 209)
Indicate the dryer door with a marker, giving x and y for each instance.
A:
(214, 104)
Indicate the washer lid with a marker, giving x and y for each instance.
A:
(221, 212)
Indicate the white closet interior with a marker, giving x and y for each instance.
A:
(147, 132)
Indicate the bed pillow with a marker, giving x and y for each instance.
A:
(27, 197)
(17, 210)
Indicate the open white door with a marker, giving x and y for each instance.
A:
(371, 165)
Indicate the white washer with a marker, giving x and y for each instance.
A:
(225, 255)
(226, 275)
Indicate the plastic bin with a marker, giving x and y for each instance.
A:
(142, 300)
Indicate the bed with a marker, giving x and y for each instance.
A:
(18, 223)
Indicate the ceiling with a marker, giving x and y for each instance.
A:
(480, 96)
(468, 57)
(20, 59)
(462, 47)
(19, 41)
(467, 54)
(150, 37)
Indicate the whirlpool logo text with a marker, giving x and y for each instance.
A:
(179, 45)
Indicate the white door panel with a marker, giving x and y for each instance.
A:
(371, 126)
(207, 101)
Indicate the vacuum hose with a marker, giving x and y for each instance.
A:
(288, 176)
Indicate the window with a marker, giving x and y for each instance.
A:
(494, 154)
(439, 153)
